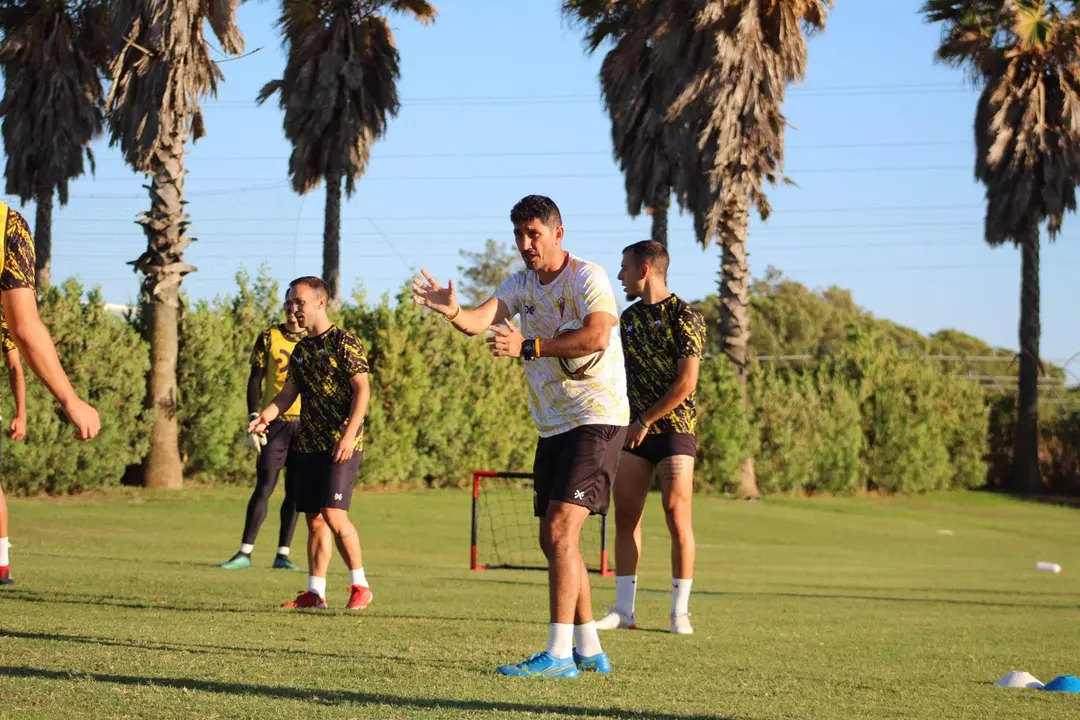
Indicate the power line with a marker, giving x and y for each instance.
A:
(393, 218)
(564, 176)
(196, 158)
(489, 100)
(770, 229)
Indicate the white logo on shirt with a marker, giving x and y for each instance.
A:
(579, 494)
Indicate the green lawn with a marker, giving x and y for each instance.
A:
(852, 608)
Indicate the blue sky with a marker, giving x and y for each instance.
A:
(500, 101)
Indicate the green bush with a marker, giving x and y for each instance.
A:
(1059, 442)
(441, 405)
(107, 362)
(810, 432)
(726, 435)
(924, 428)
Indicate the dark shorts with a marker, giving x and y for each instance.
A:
(278, 436)
(319, 482)
(660, 446)
(577, 467)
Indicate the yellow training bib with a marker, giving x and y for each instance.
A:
(279, 353)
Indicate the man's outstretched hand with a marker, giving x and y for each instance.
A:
(429, 293)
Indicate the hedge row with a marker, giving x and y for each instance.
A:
(870, 416)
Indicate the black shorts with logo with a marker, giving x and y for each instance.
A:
(319, 482)
(278, 437)
(577, 467)
(660, 446)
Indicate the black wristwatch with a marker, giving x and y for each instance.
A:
(528, 349)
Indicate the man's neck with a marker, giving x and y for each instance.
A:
(291, 328)
(655, 293)
(320, 326)
(549, 274)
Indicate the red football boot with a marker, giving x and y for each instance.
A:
(359, 597)
(306, 599)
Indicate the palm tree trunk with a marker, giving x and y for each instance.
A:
(1026, 476)
(332, 239)
(735, 325)
(43, 238)
(660, 220)
(165, 226)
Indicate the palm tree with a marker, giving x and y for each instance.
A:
(1025, 55)
(637, 93)
(160, 71)
(338, 91)
(727, 64)
(53, 55)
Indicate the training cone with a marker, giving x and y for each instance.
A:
(1064, 683)
(1019, 679)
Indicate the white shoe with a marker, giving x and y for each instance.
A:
(680, 624)
(615, 620)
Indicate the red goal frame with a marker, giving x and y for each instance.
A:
(478, 477)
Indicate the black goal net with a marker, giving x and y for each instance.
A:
(505, 534)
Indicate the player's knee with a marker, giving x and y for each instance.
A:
(337, 521)
(626, 518)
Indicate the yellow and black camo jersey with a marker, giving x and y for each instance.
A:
(655, 337)
(17, 257)
(272, 351)
(321, 368)
(6, 343)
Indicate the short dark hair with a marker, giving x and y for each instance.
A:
(315, 283)
(536, 207)
(651, 253)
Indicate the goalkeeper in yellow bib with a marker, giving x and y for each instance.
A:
(663, 341)
(31, 338)
(581, 421)
(269, 369)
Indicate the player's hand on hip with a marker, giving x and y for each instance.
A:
(84, 418)
(429, 293)
(343, 449)
(18, 428)
(506, 340)
(635, 434)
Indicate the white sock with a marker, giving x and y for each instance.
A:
(561, 641)
(246, 548)
(625, 591)
(283, 550)
(587, 640)
(317, 585)
(4, 551)
(357, 577)
(680, 596)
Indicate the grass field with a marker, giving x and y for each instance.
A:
(851, 608)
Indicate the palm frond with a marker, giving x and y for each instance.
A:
(1027, 122)
(53, 56)
(339, 88)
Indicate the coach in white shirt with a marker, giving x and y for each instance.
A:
(581, 421)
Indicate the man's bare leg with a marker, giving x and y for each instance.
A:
(677, 487)
(631, 491)
(4, 579)
(348, 544)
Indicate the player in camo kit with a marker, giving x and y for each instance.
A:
(663, 342)
(329, 369)
(18, 300)
(581, 422)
